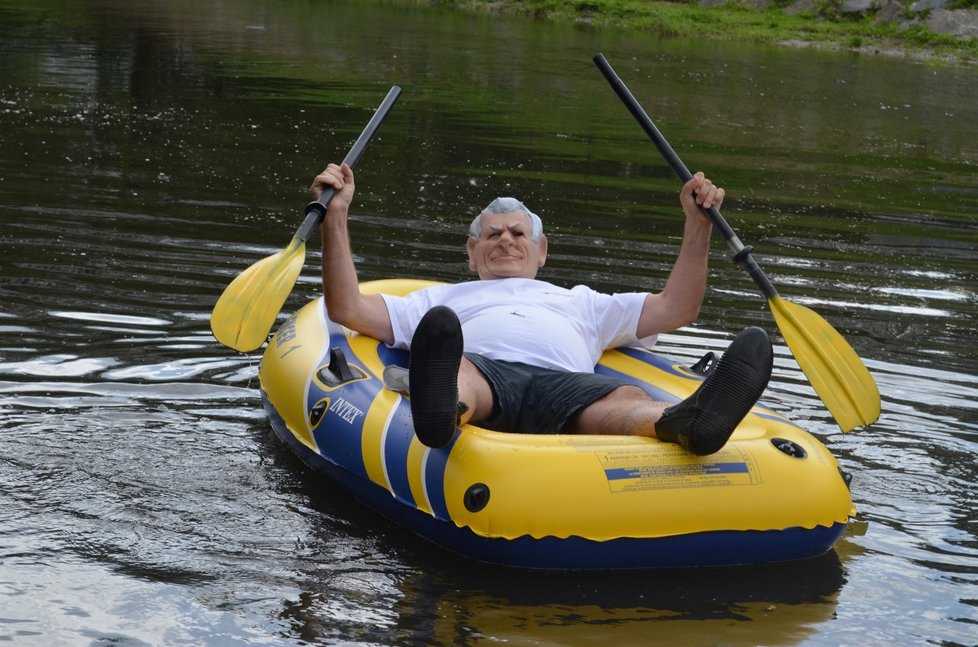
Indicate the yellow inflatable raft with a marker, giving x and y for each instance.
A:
(773, 493)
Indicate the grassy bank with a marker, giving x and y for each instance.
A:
(823, 26)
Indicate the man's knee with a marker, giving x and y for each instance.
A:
(474, 391)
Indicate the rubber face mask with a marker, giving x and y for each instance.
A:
(504, 248)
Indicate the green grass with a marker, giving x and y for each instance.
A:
(824, 26)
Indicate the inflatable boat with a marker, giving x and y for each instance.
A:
(774, 493)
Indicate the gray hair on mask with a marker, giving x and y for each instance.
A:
(508, 205)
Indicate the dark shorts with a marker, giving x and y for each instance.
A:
(530, 399)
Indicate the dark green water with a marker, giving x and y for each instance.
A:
(151, 151)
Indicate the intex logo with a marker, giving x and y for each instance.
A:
(345, 410)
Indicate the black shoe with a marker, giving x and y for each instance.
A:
(703, 422)
(436, 353)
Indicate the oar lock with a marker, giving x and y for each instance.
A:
(339, 371)
(705, 364)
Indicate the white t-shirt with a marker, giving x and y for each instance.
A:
(528, 321)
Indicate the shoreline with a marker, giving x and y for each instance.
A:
(891, 28)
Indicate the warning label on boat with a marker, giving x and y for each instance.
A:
(629, 471)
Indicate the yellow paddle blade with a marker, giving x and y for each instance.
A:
(834, 370)
(246, 311)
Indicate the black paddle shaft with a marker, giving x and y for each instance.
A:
(316, 210)
(742, 253)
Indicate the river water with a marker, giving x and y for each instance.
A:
(151, 151)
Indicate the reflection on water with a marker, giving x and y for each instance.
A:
(148, 153)
(572, 609)
(453, 603)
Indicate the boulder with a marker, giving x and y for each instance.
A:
(891, 11)
(802, 6)
(857, 6)
(960, 23)
(928, 5)
(759, 5)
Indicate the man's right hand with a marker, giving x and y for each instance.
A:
(341, 179)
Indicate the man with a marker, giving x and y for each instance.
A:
(525, 362)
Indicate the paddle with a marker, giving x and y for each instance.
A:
(831, 365)
(246, 311)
